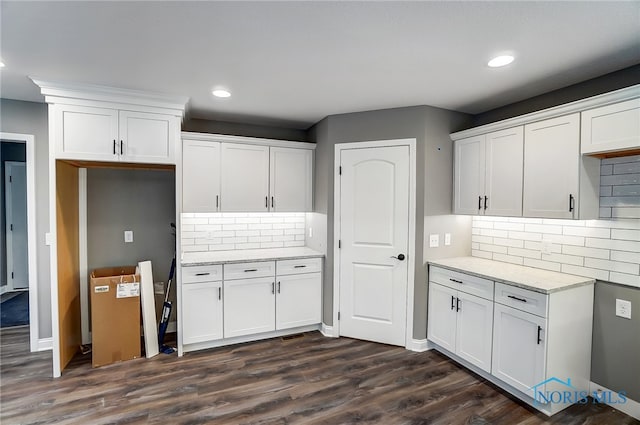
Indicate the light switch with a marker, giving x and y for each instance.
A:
(447, 239)
(434, 241)
(128, 236)
(623, 308)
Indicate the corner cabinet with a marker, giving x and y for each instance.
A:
(223, 174)
(104, 134)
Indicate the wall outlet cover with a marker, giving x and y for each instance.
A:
(434, 241)
(623, 308)
(447, 239)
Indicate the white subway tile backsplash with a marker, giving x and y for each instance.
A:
(606, 169)
(585, 271)
(494, 233)
(625, 212)
(231, 231)
(602, 249)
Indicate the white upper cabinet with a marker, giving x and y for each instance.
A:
(93, 123)
(222, 174)
(469, 175)
(488, 174)
(611, 128)
(200, 176)
(503, 172)
(147, 138)
(290, 179)
(244, 178)
(552, 167)
(86, 133)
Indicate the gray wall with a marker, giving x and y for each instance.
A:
(31, 118)
(248, 130)
(140, 200)
(609, 82)
(8, 152)
(430, 127)
(615, 356)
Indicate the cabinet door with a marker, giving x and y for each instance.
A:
(290, 179)
(148, 138)
(441, 324)
(200, 176)
(503, 172)
(551, 167)
(474, 330)
(244, 178)
(519, 348)
(611, 128)
(469, 161)
(86, 133)
(201, 312)
(298, 300)
(249, 306)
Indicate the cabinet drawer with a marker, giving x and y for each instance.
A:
(249, 270)
(462, 282)
(521, 299)
(301, 265)
(194, 274)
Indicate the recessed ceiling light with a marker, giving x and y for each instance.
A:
(499, 61)
(221, 93)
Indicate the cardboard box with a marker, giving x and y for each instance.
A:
(115, 314)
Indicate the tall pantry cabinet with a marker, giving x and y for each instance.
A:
(94, 126)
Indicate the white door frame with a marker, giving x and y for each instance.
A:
(8, 194)
(339, 147)
(29, 141)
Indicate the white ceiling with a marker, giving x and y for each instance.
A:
(293, 63)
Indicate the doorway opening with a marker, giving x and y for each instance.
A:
(18, 273)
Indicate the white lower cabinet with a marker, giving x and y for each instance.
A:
(535, 345)
(461, 323)
(239, 300)
(298, 300)
(202, 320)
(249, 306)
(519, 348)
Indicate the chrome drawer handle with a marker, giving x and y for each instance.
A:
(516, 298)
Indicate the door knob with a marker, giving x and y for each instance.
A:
(399, 257)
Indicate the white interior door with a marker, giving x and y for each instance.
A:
(16, 225)
(374, 233)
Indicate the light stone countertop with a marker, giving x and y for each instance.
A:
(543, 281)
(242, 255)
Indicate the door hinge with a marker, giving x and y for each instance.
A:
(10, 179)
(339, 244)
(12, 278)
(338, 315)
(11, 227)
(340, 170)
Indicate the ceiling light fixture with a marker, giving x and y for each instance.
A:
(499, 61)
(221, 93)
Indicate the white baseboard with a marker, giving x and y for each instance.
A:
(327, 331)
(45, 344)
(629, 407)
(418, 345)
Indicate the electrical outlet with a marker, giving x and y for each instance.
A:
(128, 236)
(310, 232)
(434, 241)
(623, 308)
(447, 239)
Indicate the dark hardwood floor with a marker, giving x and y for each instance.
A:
(306, 380)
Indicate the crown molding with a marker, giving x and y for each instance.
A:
(616, 96)
(209, 137)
